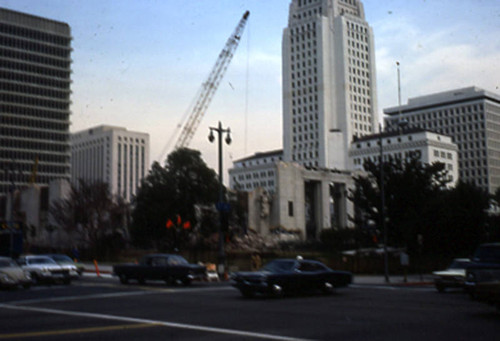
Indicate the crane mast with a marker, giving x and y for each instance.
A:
(209, 87)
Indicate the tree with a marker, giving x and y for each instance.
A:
(409, 186)
(171, 191)
(90, 210)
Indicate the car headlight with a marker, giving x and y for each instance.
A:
(45, 270)
(4, 278)
(471, 277)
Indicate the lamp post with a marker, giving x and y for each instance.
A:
(221, 207)
(382, 207)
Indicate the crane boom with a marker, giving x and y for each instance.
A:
(209, 87)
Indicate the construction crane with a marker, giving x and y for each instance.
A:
(208, 88)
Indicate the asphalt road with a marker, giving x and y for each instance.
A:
(98, 308)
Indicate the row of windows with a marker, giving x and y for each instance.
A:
(25, 89)
(35, 113)
(35, 134)
(37, 69)
(22, 171)
(13, 154)
(256, 175)
(310, 145)
(40, 179)
(28, 57)
(7, 120)
(260, 161)
(28, 144)
(131, 139)
(34, 34)
(443, 154)
(60, 51)
(39, 102)
(40, 81)
(308, 2)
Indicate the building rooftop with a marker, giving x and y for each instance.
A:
(261, 155)
(443, 98)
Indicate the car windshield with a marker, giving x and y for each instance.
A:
(6, 263)
(177, 260)
(62, 258)
(459, 264)
(279, 266)
(41, 260)
(488, 253)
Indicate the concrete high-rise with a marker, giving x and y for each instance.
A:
(329, 82)
(113, 155)
(471, 116)
(35, 68)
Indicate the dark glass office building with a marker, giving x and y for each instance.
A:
(35, 69)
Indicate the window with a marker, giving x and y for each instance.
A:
(290, 208)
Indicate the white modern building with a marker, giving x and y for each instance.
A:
(110, 154)
(329, 82)
(471, 116)
(429, 147)
(257, 171)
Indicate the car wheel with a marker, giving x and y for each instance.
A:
(67, 281)
(247, 293)
(35, 279)
(186, 281)
(141, 280)
(123, 279)
(27, 285)
(440, 288)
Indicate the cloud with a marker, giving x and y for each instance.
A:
(432, 61)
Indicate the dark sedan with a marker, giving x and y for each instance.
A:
(290, 276)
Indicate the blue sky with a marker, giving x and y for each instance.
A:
(139, 64)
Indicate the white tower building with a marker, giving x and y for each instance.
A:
(113, 155)
(329, 83)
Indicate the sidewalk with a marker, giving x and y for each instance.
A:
(394, 280)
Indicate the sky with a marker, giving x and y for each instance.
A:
(140, 64)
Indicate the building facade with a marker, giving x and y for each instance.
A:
(429, 147)
(35, 69)
(257, 171)
(113, 155)
(471, 116)
(329, 81)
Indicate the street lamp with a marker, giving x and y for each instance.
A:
(221, 206)
(382, 207)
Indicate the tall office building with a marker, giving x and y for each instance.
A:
(329, 83)
(110, 154)
(471, 116)
(35, 68)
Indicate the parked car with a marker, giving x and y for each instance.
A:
(75, 269)
(166, 267)
(12, 275)
(290, 276)
(484, 266)
(453, 276)
(482, 280)
(44, 269)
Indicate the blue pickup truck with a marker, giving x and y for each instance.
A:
(170, 268)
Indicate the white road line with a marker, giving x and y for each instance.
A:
(148, 291)
(162, 323)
